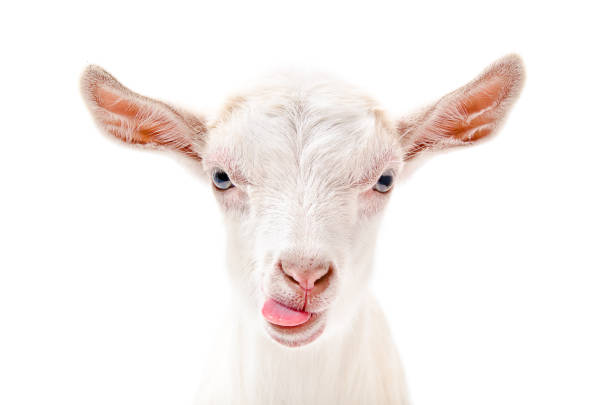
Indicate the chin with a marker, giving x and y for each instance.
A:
(300, 335)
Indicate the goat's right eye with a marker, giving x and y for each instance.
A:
(221, 180)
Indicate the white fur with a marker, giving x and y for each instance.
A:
(304, 153)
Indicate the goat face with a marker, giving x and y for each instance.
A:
(298, 170)
(302, 169)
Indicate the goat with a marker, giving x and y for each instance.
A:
(302, 168)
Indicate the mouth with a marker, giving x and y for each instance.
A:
(291, 327)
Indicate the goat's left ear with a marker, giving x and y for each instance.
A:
(466, 115)
(135, 119)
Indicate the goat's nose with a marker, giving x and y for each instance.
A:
(306, 273)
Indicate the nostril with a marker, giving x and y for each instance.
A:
(324, 277)
(290, 278)
(285, 273)
(308, 276)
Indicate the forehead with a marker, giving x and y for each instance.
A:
(299, 126)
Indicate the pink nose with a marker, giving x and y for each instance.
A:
(305, 273)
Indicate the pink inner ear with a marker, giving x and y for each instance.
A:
(472, 115)
(466, 115)
(115, 104)
(146, 128)
(486, 96)
(144, 133)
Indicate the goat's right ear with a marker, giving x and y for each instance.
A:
(135, 119)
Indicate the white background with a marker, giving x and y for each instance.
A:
(493, 262)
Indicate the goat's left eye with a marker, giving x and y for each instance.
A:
(221, 180)
(385, 182)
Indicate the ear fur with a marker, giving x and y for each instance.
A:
(135, 119)
(466, 115)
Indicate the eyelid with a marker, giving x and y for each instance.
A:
(235, 176)
(367, 183)
(391, 171)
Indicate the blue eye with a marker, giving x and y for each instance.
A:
(221, 180)
(385, 182)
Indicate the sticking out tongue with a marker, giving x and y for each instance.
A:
(279, 314)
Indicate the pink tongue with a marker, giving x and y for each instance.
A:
(279, 314)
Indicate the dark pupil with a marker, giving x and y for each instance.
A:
(385, 180)
(221, 177)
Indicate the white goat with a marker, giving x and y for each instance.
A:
(302, 169)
